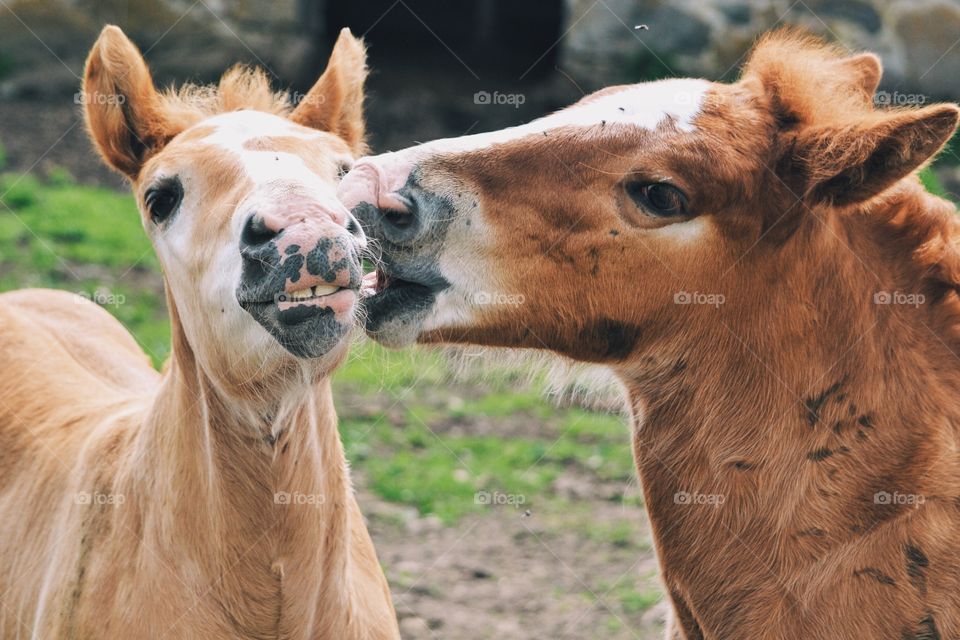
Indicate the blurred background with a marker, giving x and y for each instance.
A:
(497, 513)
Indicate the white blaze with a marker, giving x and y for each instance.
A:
(643, 105)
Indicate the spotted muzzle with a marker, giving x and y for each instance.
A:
(301, 272)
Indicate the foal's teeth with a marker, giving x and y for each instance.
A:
(303, 294)
(313, 292)
(324, 290)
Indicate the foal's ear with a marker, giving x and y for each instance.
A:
(865, 69)
(122, 107)
(335, 103)
(847, 165)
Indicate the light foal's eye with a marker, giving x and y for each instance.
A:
(659, 199)
(163, 199)
(343, 167)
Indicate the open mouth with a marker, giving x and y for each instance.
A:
(379, 281)
(393, 303)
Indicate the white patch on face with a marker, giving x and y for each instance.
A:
(234, 130)
(643, 105)
(450, 310)
(683, 232)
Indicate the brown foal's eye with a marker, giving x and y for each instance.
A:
(658, 198)
(163, 199)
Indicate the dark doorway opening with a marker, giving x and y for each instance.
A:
(495, 38)
(433, 63)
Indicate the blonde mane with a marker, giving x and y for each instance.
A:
(241, 87)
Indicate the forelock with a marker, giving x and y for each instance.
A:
(804, 79)
(241, 87)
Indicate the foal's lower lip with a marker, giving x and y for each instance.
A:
(340, 301)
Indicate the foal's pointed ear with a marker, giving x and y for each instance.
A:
(865, 69)
(122, 107)
(335, 103)
(845, 166)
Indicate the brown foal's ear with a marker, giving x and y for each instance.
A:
(335, 103)
(122, 107)
(865, 70)
(851, 164)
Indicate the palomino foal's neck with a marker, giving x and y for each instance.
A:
(249, 504)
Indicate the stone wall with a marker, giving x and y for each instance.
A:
(917, 39)
(43, 43)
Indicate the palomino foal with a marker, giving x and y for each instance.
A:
(212, 500)
(739, 256)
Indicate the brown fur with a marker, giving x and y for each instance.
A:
(798, 399)
(144, 505)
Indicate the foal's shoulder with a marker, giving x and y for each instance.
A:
(66, 335)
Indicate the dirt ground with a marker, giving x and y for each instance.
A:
(507, 575)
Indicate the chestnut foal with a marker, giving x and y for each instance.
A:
(760, 266)
(212, 500)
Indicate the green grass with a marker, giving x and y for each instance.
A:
(624, 599)
(52, 223)
(448, 475)
(634, 601)
(932, 183)
(408, 455)
(371, 368)
(951, 152)
(86, 240)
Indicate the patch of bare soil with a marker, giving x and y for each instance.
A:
(507, 574)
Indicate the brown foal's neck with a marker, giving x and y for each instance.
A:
(782, 433)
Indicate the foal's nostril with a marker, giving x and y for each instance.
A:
(257, 232)
(399, 219)
(353, 227)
